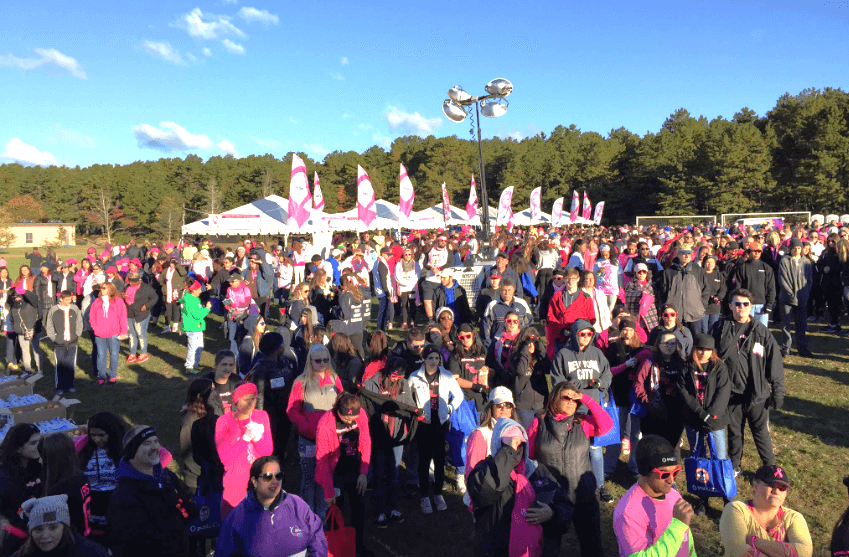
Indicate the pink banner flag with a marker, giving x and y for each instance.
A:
(446, 205)
(587, 208)
(599, 209)
(366, 208)
(557, 212)
(576, 204)
(299, 195)
(536, 209)
(407, 195)
(505, 210)
(472, 205)
(317, 198)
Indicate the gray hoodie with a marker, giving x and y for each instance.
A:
(589, 370)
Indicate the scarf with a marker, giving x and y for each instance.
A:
(408, 266)
(130, 294)
(105, 301)
(66, 336)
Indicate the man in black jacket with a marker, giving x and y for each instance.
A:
(64, 325)
(410, 350)
(758, 278)
(459, 302)
(756, 370)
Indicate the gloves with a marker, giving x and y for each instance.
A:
(776, 402)
(478, 388)
(592, 384)
(253, 432)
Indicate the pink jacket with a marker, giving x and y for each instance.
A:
(237, 455)
(241, 296)
(327, 449)
(113, 323)
(79, 278)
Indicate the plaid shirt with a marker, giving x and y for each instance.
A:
(633, 294)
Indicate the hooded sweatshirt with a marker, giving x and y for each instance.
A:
(588, 369)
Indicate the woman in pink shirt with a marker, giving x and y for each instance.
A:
(108, 319)
(241, 436)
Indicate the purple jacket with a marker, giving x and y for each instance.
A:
(289, 527)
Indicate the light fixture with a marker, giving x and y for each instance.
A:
(493, 108)
(500, 87)
(457, 94)
(453, 111)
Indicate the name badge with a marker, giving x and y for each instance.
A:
(278, 382)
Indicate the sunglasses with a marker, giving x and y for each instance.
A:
(567, 397)
(512, 321)
(742, 304)
(664, 474)
(757, 251)
(320, 360)
(586, 334)
(268, 476)
(503, 405)
(466, 336)
(779, 487)
(417, 346)
(669, 314)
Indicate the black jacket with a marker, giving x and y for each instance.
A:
(528, 383)
(462, 312)
(25, 313)
(756, 368)
(145, 296)
(413, 359)
(399, 413)
(493, 495)
(39, 284)
(144, 519)
(758, 278)
(713, 414)
(273, 382)
(714, 291)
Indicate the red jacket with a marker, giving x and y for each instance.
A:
(327, 449)
(560, 317)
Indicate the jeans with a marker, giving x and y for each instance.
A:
(382, 313)
(311, 492)
(719, 440)
(708, 322)
(597, 461)
(232, 334)
(799, 313)
(385, 464)
(758, 313)
(630, 427)
(111, 345)
(27, 356)
(194, 349)
(138, 334)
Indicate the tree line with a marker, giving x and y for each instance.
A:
(794, 158)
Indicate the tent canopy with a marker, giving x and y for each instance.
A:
(263, 216)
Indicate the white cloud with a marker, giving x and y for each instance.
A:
(207, 52)
(208, 26)
(344, 61)
(46, 56)
(268, 143)
(315, 149)
(163, 50)
(76, 138)
(346, 115)
(169, 137)
(337, 76)
(228, 148)
(231, 1)
(517, 135)
(382, 140)
(262, 16)
(232, 47)
(18, 151)
(413, 123)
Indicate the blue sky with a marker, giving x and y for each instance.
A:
(114, 82)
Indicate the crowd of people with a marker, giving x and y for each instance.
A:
(562, 336)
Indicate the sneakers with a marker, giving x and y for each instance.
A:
(805, 353)
(604, 496)
(785, 352)
(834, 329)
(142, 358)
(59, 392)
(101, 382)
(381, 522)
(737, 471)
(131, 358)
(12, 367)
(113, 380)
(404, 326)
(395, 517)
(72, 390)
(426, 506)
(626, 446)
(441, 505)
(165, 329)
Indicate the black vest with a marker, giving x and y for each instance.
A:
(565, 451)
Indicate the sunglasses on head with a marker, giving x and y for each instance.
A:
(664, 474)
(268, 476)
(320, 360)
(742, 304)
(465, 336)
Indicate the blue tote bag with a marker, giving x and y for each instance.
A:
(612, 437)
(709, 477)
(463, 423)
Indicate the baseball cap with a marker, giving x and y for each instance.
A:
(771, 474)
(501, 394)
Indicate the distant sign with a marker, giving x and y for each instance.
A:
(234, 221)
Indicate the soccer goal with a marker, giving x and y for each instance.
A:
(766, 219)
(675, 220)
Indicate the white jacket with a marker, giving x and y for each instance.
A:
(450, 393)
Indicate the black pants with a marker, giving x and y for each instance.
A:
(543, 278)
(741, 410)
(355, 509)
(430, 439)
(587, 521)
(94, 370)
(66, 363)
(834, 300)
(172, 312)
(408, 308)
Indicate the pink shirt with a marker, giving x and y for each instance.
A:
(640, 520)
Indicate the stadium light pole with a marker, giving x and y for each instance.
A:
(458, 105)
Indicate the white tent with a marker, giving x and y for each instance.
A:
(263, 216)
(388, 217)
(523, 218)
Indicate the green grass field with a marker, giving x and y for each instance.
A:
(810, 437)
